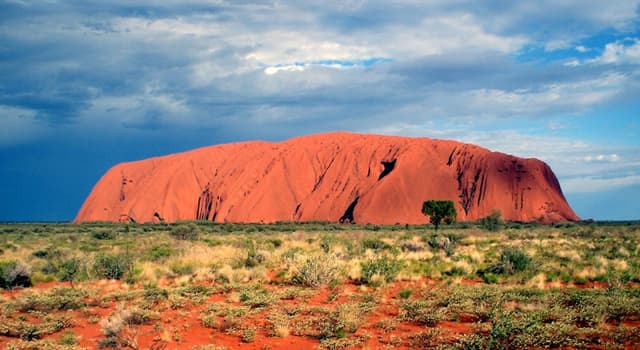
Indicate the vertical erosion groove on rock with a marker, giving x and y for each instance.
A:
(205, 201)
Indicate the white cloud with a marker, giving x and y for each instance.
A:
(284, 47)
(595, 184)
(555, 45)
(602, 158)
(149, 109)
(459, 32)
(434, 35)
(562, 96)
(285, 68)
(620, 52)
(572, 63)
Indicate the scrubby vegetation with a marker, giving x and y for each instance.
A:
(466, 286)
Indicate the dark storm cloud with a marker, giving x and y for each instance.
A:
(162, 76)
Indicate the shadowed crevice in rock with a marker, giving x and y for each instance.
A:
(296, 211)
(347, 217)
(388, 167)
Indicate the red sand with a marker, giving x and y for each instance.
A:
(327, 177)
(183, 329)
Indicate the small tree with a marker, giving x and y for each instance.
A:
(69, 270)
(438, 211)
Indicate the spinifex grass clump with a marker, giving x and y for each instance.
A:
(380, 270)
(512, 261)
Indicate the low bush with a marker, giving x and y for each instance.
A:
(447, 243)
(62, 298)
(159, 252)
(104, 235)
(375, 244)
(379, 270)
(419, 311)
(409, 246)
(492, 222)
(316, 271)
(112, 266)
(346, 319)
(14, 274)
(256, 297)
(188, 232)
(512, 260)
(254, 258)
(155, 295)
(69, 269)
(515, 260)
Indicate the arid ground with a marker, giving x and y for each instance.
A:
(319, 285)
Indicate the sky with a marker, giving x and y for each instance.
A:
(87, 84)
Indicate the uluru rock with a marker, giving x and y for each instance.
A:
(327, 177)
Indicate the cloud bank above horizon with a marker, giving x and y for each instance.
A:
(87, 84)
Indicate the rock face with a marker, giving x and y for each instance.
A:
(327, 177)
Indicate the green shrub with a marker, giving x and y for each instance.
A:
(180, 268)
(515, 260)
(159, 252)
(419, 311)
(104, 235)
(381, 269)
(14, 274)
(275, 242)
(188, 232)
(492, 222)
(154, 294)
(489, 278)
(62, 298)
(68, 338)
(256, 297)
(512, 260)
(405, 293)
(112, 266)
(39, 277)
(317, 271)
(69, 269)
(375, 244)
(339, 323)
(254, 258)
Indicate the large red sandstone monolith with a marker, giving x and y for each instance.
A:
(327, 177)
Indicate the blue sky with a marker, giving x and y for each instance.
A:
(88, 84)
